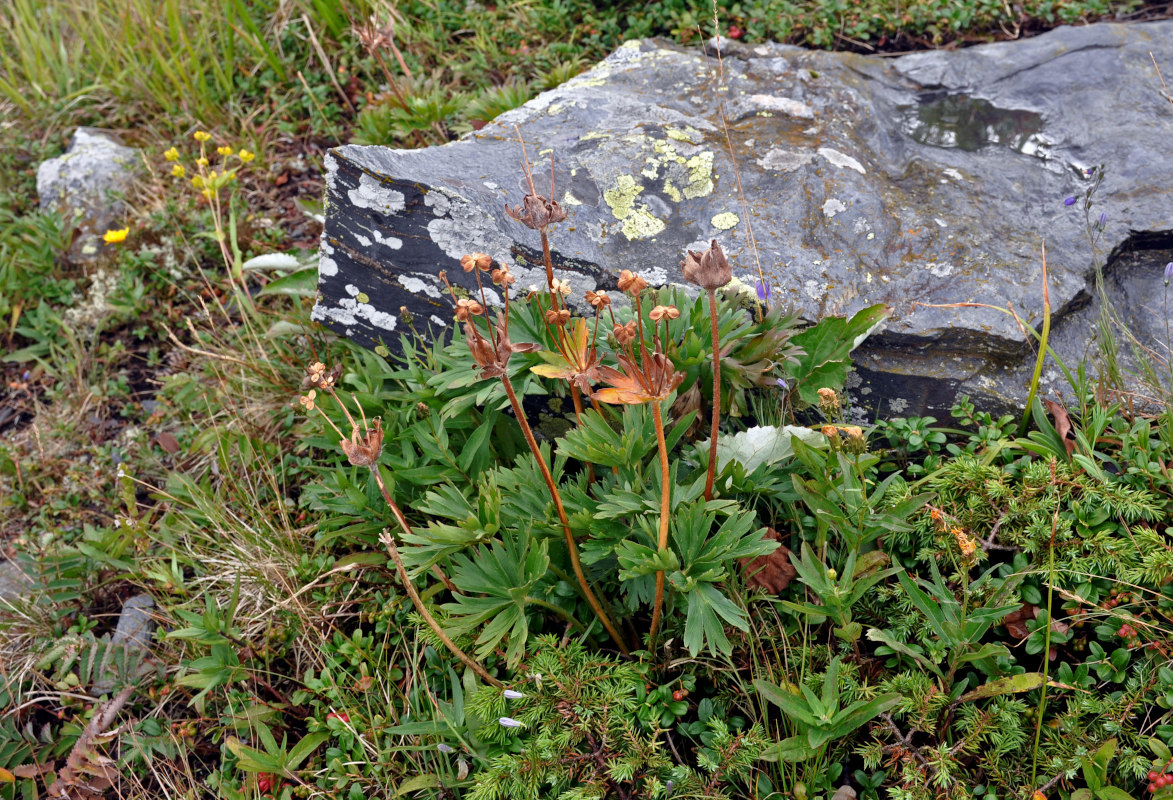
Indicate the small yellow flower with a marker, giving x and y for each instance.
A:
(113, 237)
(203, 162)
(246, 156)
(208, 193)
(171, 154)
(178, 171)
(197, 182)
(202, 136)
(212, 175)
(224, 151)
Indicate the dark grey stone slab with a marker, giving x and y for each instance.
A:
(931, 178)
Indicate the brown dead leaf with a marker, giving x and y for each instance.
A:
(1015, 621)
(1062, 423)
(168, 442)
(772, 572)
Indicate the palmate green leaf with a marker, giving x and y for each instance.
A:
(708, 611)
(494, 587)
(827, 345)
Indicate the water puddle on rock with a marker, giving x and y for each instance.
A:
(958, 121)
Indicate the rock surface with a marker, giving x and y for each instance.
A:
(933, 178)
(87, 183)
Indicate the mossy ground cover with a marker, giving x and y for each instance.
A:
(963, 607)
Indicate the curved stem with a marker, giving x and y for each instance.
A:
(562, 612)
(665, 499)
(578, 410)
(571, 546)
(389, 541)
(716, 398)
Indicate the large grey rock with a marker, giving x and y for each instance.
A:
(87, 184)
(932, 178)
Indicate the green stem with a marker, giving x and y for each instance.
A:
(1046, 646)
(562, 612)
(1043, 337)
(665, 499)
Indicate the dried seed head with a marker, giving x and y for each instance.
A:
(503, 277)
(481, 261)
(364, 450)
(631, 283)
(625, 334)
(832, 434)
(661, 312)
(828, 401)
(709, 270)
(536, 212)
(599, 300)
(561, 287)
(854, 440)
(557, 317)
(466, 308)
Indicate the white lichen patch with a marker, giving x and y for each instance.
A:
(655, 276)
(393, 242)
(464, 227)
(841, 160)
(421, 283)
(724, 221)
(441, 322)
(942, 223)
(350, 310)
(371, 193)
(954, 174)
(785, 160)
(327, 266)
(83, 317)
(814, 290)
(832, 207)
(939, 270)
(898, 405)
(783, 105)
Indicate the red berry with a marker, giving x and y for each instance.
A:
(1153, 775)
(735, 32)
(684, 692)
(678, 695)
(264, 784)
(1152, 788)
(340, 716)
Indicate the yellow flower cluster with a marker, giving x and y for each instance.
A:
(209, 181)
(114, 237)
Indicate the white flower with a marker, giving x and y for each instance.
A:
(509, 722)
(512, 695)
(445, 748)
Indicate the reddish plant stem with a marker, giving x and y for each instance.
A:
(389, 541)
(578, 411)
(665, 499)
(716, 398)
(571, 545)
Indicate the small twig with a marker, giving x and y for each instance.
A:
(326, 63)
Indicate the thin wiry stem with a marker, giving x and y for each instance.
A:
(716, 397)
(389, 541)
(571, 545)
(665, 499)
